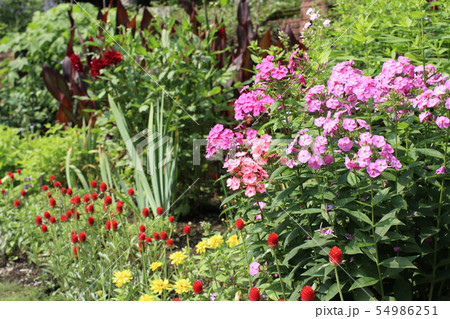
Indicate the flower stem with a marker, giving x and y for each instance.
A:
(279, 274)
(246, 260)
(338, 283)
(380, 278)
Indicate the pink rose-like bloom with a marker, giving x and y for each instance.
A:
(279, 73)
(304, 140)
(349, 124)
(254, 268)
(250, 191)
(304, 156)
(345, 144)
(442, 122)
(315, 162)
(440, 170)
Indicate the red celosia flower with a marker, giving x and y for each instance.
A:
(76, 249)
(23, 192)
(52, 178)
(94, 196)
(103, 187)
(197, 287)
(112, 57)
(44, 228)
(159, 211)
(114, 225)
(169, 242)
(187, 230)
(131, 192)
(82, 236)
(52, 220)
(272, 241)
(74, 239)
(163, 235)
(57, 184)
(45, 188)
(254, 295)
(47, 215)
(63, 218)
(148, 240)
(108, 200)
(155, 236)
(142, 228)
(93, 184)
(171, 219)
(16, 203)
(63, 191)
(38, 220)
(335, 256)
(239, 224)
(141, 236)
(145, 212)
(307, 294)
(90, 221)
(75, 62)
(90, 208)
(69, 191)
(86, 198)
(177, 299)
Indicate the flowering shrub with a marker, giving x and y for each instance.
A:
(350, 161)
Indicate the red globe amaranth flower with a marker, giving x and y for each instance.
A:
(171, 219)
(63, 218)
(145, 212)
(155, 236)
(281, 300)
(38, 220)
(112, 57)
(69, 213)
(307, 294)
(45, 188)
(93, 184)
(187, 230)
(63, 191)
(94, 196)
(335, 256)
(239, 224)
(114, 225)
(69, 191)
(159, 211)
(3, 191)
(119, 206)
(49, 195)
(142, 228)
(148, 240)
(75, 200)
(272, 241)
(197, 287)
(141, 236)
(74, 239)
(47, 215)
(90, 221)
(11, 176)
(108, 200)
(44, 228)
(23, 192)
(254, 295)
(52, 178)
(169, 242)
(108, 225)
(86, 198)
(16, 203)
(103, 187)
(163, 235)
(82, 236)
(75, 62)
(177, 299)
(57, 184)
(90, 208)
(19, 171)
(52, 220)
(131, 192)
(76, 249)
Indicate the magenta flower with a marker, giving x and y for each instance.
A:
(440, 170)
(442, 122)
(254, 268)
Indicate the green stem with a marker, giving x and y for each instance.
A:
(247, 265)
(380, 278)
(338, 283)
(279, 274)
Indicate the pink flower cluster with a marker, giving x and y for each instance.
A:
(251, 103)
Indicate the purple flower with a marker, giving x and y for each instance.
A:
(397, 249)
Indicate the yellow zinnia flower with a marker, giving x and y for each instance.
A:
(159, 285)
(215, 241)
(201, 247)
(233, 241)
(155, 265)
(178, 258)
(147, 298)
(182, 286)
(122, 277)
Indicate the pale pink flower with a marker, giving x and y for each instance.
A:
(345, 144)
(254, 268)
(442, 122)
(250, 191)
(303, 156)
(233, 183)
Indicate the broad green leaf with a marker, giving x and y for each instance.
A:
(364, 282)
(398, 262)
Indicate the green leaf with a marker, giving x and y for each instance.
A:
(352, 179)
(364, 282)
(398, 262)
(430, 152)
(381, 196)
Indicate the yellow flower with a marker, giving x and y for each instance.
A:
(100, 292)
(122, 277)
(147, 298)
(201, 247)
(215, 241)
(182, 286)
(178, 258)
(159, 285)
(155, 265)
(233, 241)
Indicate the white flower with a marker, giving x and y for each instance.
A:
(307, 25)
(314, 16)
(326, 23)
(310, 11)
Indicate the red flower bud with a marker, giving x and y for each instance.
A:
(103, 187)
(69, 191)
(169, 242)
(171, 219)
(159, 211)
(141, 236)
(335, 256)
(108, 200)
(90, 221)
(254, 295)
(131, 192)
(145, 212)
(239, 224)
(148, 240)
(23, 192)
(38, 220)
(82, 236)
(74, 239)
(63, 218)
(163, 235)
(45, 188)
(114, 225)
(44, 228)
(52, 178)
(94, 196)
(49, 195)
(187, 230)
(90, 208)
(307, 294)
(86, 198)
(63, 191)
(52, 202)
(16, 203)
(57, 184)
(197, 287)
(76, 249)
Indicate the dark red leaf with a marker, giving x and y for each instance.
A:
(146, 19)
(122, 15)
